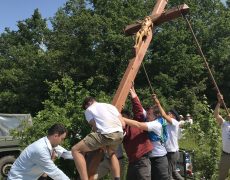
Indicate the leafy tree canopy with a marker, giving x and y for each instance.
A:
(47, 72)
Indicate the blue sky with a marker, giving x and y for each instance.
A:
(12, 11)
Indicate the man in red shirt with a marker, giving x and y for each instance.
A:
(137, 145)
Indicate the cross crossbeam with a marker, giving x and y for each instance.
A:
(157, 16)
(168, 15)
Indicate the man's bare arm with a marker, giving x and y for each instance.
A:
(140, 125)
(162, 111)
(93, 124)
(133, 92)
(219, 118)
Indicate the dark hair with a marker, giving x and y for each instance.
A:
(87, 101)
(175, 113)
(57, 129)
(155, 109)
(126, 112)
(148, 108)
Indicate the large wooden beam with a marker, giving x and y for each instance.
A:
(159, 7)
(158, 19)
(172, 14)
(130, 74)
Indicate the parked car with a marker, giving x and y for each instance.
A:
(9, 145)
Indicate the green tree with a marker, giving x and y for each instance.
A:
(64, 105)
(87, 44)
(24, 66)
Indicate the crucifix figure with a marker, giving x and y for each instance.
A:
(146, 28)
(143, 31)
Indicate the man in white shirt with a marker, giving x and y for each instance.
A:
(224, 164)
(36, 159)
(107, 124)
(171, 144)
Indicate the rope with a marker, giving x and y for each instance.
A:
(202, 55)
(151, 88)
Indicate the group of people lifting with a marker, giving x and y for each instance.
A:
(152, 153)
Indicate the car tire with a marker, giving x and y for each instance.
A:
(5, 164)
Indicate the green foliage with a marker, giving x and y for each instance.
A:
(64, 105)
(48, 72)
(204, 138)
(23, 67)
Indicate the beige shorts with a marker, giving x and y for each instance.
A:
(96, 140)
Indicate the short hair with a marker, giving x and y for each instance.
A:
(87, 102)
(57, 129)
(155, 109)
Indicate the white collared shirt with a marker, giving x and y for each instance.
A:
(36, 160)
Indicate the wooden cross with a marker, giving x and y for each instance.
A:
(157, 16)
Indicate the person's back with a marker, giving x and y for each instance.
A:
(105, 116)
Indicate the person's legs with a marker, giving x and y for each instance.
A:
(130, 175)
(77, 152)
(112, 141)
(122, 167)
(175, 174)
(93, 160)
(224, 166)
(143, 168)
(115, 166)
(103, 169)
(159, 168)
(92, 141)
(170, 162)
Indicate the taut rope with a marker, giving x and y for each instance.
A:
(202, 55)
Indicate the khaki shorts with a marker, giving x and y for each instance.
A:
(96, 140)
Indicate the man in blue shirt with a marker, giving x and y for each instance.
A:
(36, 159)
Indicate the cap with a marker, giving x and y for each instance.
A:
(175, 113)
(181, 116)
(188, 115)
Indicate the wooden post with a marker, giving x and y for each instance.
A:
(135, 63)
(130, 74)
